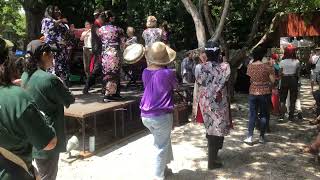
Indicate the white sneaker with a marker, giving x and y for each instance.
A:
(262, 140)
(248, 140)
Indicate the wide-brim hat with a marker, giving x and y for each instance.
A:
(133, 53)
(160, 54)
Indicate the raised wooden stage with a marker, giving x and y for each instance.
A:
(87, 107)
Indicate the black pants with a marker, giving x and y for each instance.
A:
(215, 143)
(96, 72)
(13, 171)
(48, 168)
(289, 83)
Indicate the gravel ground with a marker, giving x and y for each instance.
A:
(279, 158)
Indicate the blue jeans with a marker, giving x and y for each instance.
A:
(160, 127)
(255, 103)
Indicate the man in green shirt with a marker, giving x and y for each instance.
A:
(21, 125)
(51, 95)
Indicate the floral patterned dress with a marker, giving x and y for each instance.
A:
(152, 35)
(212, 78)
(112, 38)
(55, 34)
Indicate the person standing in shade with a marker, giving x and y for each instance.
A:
(131, 38)
(22, 126)
(51, 96)
(165, 33)
(157, 104)
(187, 69)
(87, 52)
(54, 30)
(95, 61)
(152, 34)
(290, 73)
(315, 72)
(112, 38)
(212, 77)
(261, 80)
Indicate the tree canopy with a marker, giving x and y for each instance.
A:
(246, 22)
(12, 20)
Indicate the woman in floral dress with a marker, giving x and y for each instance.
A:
(212, 77)
(152, 34)
(112, 38)
(54, 30)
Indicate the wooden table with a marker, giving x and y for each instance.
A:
(87, 106)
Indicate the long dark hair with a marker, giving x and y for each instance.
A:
(7, 72)
(108, 14)
(258, 53)
(49, 12)
(32, 60)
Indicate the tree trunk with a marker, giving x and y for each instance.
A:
(208, 18)
(263, 6)
(222, 21)
(33, 22)
(270, 34)
(200, 29)
(34, 10)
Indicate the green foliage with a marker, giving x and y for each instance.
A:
(12, 21)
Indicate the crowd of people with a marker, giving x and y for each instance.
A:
(33, 95)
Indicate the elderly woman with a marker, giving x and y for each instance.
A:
(212, 78)
(289, 72)
(54, 29)
(152, 33)
(261, 79)
(112, 38)
(157, 104)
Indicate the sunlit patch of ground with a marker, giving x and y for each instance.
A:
(280, 158)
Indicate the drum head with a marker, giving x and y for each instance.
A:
(133, 53)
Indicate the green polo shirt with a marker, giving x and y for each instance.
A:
(51, 96)
(21, 125)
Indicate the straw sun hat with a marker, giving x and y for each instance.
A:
(160, 54)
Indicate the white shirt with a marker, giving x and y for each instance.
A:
(289, 66)
(314, 60)
(87, 38)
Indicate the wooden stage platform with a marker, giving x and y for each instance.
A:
(87, 107)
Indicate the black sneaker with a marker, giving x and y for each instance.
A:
(85, 91)
(107, 99)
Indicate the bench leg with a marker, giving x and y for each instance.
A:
(83, 124)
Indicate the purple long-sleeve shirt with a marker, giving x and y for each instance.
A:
(158, 94)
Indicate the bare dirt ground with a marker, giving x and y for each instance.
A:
(279, 158)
